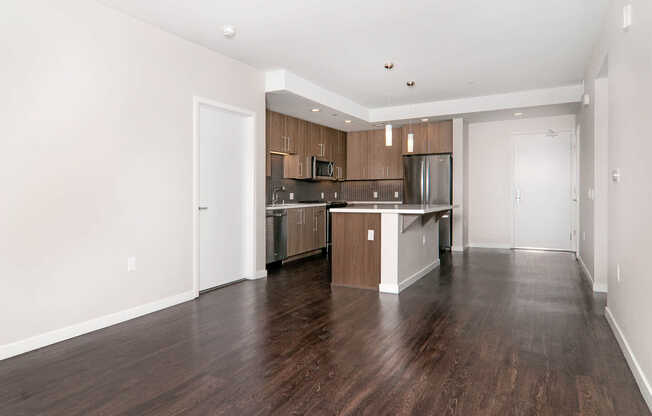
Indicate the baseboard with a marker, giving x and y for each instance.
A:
(62, 334)
(639, 375)
(586, 273)
(490, 245)
(600, 288)
(398, 288)
(597, 287)
(258, 274)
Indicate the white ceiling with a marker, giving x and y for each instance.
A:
(451, 48)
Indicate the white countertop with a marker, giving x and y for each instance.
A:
(296, 205)
(414, 209)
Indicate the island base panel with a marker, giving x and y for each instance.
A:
(356, 258)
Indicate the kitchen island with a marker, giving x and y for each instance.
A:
(385, 247)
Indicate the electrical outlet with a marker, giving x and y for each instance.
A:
(618, 276)
(375, 194)
(131, 264)
(322, 195)
(395, 194)
(370, 235)
(291, 196)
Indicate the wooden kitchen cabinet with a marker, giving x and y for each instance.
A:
(296, 166)
(319, 222)
(420, 139)
(440, 137)
(356, 155)
(295, 231)
(369, 158)
(340, 156)
(306, 230)
(282, 131)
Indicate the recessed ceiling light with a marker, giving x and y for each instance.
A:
(228, 31)
(347, 121)
(518, 114)
(389, 65)
(410, 83)
(424, 119)
(316, 110)
(379, 125)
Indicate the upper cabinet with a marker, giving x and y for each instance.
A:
(428, 138)
(298, 140)
(283, 131)
(369, 157)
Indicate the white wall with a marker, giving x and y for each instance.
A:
(96, 131)
(459, 180)
(630, 201)
(490, 167)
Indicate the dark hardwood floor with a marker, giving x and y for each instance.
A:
(489, 333)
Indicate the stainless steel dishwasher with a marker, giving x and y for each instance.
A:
(276, 230)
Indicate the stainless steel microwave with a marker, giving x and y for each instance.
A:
(322, 169)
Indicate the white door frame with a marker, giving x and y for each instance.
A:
(249, 208)
(574, 180)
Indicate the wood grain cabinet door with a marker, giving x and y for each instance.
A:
(356, 257)
(295, 231)
(356, 156)
(446, 136)
(419, 141)
(291, 134)
(316, 148)
(277, 139)
(394, 158)
(308, 229)
(319, 227)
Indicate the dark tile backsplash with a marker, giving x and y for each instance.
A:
(364, 190)
(346, 191)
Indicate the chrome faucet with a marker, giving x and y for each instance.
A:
(275, 191)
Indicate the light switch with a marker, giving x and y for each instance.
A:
(627, 16)
(423, 240)
(322, 195)
(370, 235)
(395, 194)
(131, 264)
(291, 196)
(375, 194)
(335, 195)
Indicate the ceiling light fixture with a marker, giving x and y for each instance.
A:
(347, 121)
(424, 119)
(315, 110)
(228, 31)
(389, 65)
(410, 83)
(518, 114)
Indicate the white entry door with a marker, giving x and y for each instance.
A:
(543, 206)
(222, 187)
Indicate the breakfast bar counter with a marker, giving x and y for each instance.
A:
(385, 247)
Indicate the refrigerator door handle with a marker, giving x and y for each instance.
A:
(422, 193)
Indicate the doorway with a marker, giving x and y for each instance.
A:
(543, 191)
(224, 205)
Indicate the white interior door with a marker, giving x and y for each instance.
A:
(222, 188)
(543, 207)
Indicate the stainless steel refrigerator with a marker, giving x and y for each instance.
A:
(428, 179)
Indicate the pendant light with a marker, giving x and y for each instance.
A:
(388, 126)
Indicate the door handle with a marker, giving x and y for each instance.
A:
(203, 208)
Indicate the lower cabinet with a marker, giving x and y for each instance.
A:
(306, 230)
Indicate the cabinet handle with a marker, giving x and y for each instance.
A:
(300, 168)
